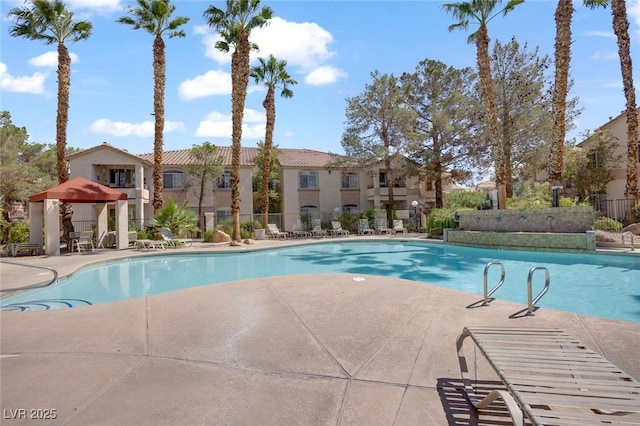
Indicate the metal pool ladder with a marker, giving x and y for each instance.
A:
(531, 301)
(30, 287)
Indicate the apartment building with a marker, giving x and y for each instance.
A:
(310, 183)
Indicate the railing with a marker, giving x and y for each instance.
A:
(496, 287)
(30, 287)
(532, 302)
(624, 234)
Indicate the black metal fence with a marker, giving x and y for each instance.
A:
(623, 210)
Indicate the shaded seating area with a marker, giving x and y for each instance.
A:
(171, 239)
(337, 229)
(551, 378)
(84, 241)
(363, 227)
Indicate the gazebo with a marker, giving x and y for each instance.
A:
(44, 211)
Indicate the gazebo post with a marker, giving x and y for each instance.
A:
(51, 227)
(122, 233)
(102, 222)
(36, 223)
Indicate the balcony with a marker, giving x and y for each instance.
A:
(399, 193)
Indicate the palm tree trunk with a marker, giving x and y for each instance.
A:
(491, 111)
(621, 29)
(62, 118)
(563, 17)
(269, 105)
(239, 81)
(159, 81)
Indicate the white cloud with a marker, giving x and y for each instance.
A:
(213, 82)
(604, 34)
(633, 11)
(22, 84)
(99, 6)
(324, 75)
(219, 125)
(305, 46)
(50, 59)
(606, 55)
(121, 128)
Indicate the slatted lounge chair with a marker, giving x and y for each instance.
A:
(337, 229)
(274, 232)
(551, 378)
(174, 242)
(146, 245)
(381, 227)
(317, 230)
(85, 240)
(299, 232)
(398, 227)
(363, 227)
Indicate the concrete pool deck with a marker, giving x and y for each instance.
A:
(337, 349)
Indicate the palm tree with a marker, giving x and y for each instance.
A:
(272, 73)
(51, 22)
(621, 29)
(234, 26)
(154, 16)
(563, 18)
(481, 12)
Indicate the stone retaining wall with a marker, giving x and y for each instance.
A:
(585, 241)
(558, 219)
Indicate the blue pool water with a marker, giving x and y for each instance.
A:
(593, 284)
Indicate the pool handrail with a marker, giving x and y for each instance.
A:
(496, 287)
(32, 286)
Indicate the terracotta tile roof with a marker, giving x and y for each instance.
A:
(287, 157)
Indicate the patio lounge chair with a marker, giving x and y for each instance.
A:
(274, 232)
(398, 226)
(84, 240)
(317, 230)
(551, 378)
(337, 229)
(299, 232)
(174, 242)
(381, 226)
(363, 227)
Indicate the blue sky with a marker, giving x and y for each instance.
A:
(331, 48)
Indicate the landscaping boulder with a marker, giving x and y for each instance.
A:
(221, 237)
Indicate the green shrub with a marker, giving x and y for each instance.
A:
(18, 232)
(178, 218)
(607, 224)
(208, 236)
(247, 228)
(441, 218)
(460, 200)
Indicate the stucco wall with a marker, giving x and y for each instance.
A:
(559, 219)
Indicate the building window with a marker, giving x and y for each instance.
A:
(350, 208)
(172, 179)
(224, 181)
(122, 178)
(382, 180)
(308, 180)
(349, 181)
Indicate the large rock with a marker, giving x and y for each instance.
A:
(221, 237)
(634, 228)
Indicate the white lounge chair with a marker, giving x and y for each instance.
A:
(381, 227)
(551, 378)
(337, 229)
(274, 232)
(299, 232)
(363, 227)
(398, 226)
(174, 242)
(84, 240)
(317, 230)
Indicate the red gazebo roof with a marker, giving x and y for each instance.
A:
(80, 190)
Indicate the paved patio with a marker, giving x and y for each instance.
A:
(305, 349)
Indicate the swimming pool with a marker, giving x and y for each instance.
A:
(593, 284)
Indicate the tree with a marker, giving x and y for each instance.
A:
(206, 165)
(563, 18)
(440, 95)
(588, 170)
(154, 16)
(25, 168)
(482, 12)
(234, 26)
(178, 218)
(379, 125)
(272, 73)
(621, 29)
(51, 22)
(272, 183)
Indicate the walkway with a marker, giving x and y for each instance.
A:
(334, 349)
